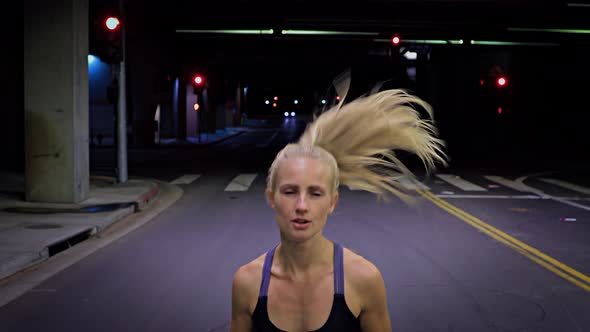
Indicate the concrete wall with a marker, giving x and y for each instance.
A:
(12, 93)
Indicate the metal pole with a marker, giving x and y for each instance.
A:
(122, 111)
(205, 96)
(199, 119)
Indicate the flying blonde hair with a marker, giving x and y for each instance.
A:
(357, 141)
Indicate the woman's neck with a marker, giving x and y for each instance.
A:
(300, 259)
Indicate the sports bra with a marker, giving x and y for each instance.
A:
(341, 319)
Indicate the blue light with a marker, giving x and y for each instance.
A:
(99, 77)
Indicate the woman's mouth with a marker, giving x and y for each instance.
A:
(300, 223)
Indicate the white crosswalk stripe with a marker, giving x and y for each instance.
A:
(531, 197)
(412, 184)
(241, 182)
(186, 179)
(460, 183)
(508, 183)
(567, 185)
(354, 188)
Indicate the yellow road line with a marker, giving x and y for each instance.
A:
(535, 255)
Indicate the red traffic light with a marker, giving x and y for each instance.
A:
(501, 81)
(198, 80)
(112, 23)
(199, 84)
(395, 40)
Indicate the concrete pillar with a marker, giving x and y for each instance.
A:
(12, 143)
(184, 108)
(56, 100)
(239, 95)
(188, 115)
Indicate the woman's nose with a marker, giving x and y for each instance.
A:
(301, 203)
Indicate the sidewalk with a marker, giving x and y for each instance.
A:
(205, 139)
(32, 232)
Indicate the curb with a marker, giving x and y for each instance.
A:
(14, 286)
(147, 197)
(35, 256)
(190, 144)
(238, 133)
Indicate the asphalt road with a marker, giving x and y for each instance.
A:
(497, 259)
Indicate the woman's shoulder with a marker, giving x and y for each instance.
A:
(369, 295)
(246, 283)
(250, 274)
(359, 269)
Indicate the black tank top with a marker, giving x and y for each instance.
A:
(341, 319)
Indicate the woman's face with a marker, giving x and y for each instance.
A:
(302, 198)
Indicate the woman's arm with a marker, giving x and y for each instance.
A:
(241, 319)
(374, 316)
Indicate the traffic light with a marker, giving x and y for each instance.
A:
(113, 39)
(396, 53)
(199, 83)
(501, 81)
(112, 23)
(105, 31)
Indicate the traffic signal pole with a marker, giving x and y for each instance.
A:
(122, 109)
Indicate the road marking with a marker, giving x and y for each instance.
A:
(507, 183)
(491, 196)
(412, 184)
(579, 279)
(460, 183)
(241, 182)
(354, 188)
(351, 188)
(512, 197)
(265, 144)
(186, 179)
(520, 181)
(568, 185)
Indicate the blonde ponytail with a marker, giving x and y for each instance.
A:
(362, 137)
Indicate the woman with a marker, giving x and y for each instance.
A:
(307, 282)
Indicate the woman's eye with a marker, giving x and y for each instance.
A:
(317, 194)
